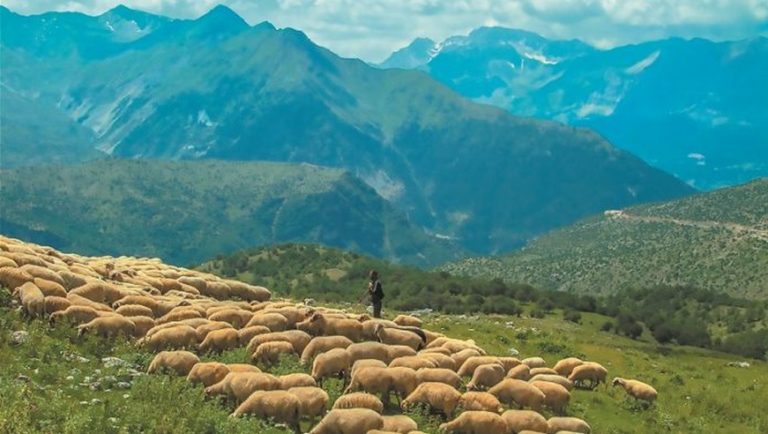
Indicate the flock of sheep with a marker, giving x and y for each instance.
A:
(174, 311)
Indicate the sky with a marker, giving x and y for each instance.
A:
(372, 29)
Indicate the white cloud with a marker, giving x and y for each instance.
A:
(371, 29)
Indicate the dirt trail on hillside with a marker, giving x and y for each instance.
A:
(737, 229)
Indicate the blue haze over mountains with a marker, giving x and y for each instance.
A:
(128, 84)
(695, 108)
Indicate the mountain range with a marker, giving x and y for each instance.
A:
(188, 211)
(715, 240)
(137, 85)
(694, 108)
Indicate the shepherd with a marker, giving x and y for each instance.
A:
(375, 292)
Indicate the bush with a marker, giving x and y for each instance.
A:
(572, 316)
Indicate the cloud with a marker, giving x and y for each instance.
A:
(371, 29)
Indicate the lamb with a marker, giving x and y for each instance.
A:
(407, 320)
(269, 353)
(135, 310)
(486, 376)
(565, 366)
(207, 373)
(637, 389)
(334, 362)
(238, 386)
(439, 375)
(319, 325)
(438, 396)
(296, 380)
(480, 401)
(237, 317)
(392, 336)
(245, 334)
(372, 380)
(313, 402)
(404, 381)
(322, 344)
(218, 341)
(177, 337)
(522, 420)
(273, 321)
(476, 422)
(55, 303)
(399, 424)
(349, 421)
(511, 391)
(359, 400)
(588, 375)
(106, 326)
(520, 372)
(572, 424)
(277, 405)
(413, 362)
(467, 369)
(534, 362)
(75, 314)
(556, 396)
(180, 362)
(49, 288)
(557, 379)
(368, 350)
(32, 299)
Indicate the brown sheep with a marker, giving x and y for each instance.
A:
(438, 396)
(180, 362)
(108, 326)
(269, 353)
(264, 338)
(296, 380)
(413, 362)
(82, 301)
(237, 317)
(392, 336)
(75, 314)
(321, 344)
(50, 288)
(99, 292)
(247, 292)
(55, 303)
(179, 314)
(238, 386)
(142, 325)
(364, 363)
(203, 330)
(534, 362)
(588, 375)
(480, 401)
(571, 424)
(359, 400)
(320, 325)
(467, 369)
(542, 371)
(565, 366)
(298, 339)
(439, 375)
(12, 278)
(442, 360)
(511, 391)
(276, 405)
(556, 396)
(245, 334)
(400, 424)
(521, 420)
(218, 341)
(349, 421)
(335, 362)
(273, 321)
(486, 376)
(404, 381)
(32, 299)
(438, 350)
(476, 422)
(314, 402)
(177, 337)
(72, 280)
(7, 262)
(397, 351)
(557, 379)
(135, 310)
(520, 372)
(43, 273)
(242, 367)
(371, 379)
(463, 355)
(407, 320)
(217, 290)
(637, 389)
(368, 350)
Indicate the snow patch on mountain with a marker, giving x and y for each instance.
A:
(643, 64)
(387, 187)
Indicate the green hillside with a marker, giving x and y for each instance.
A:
(188, 211)
(716, 240)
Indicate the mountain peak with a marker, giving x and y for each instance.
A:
(223, 14)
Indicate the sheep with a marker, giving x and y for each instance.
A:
(196, 282)
(392, 336)
(349, 421)
(217, 290)
(313, 401)
(177, 337)
(273, 321)
(522, 420)
(218, 341)
(534, 362)
(463, 355)
(72, 280)
(399, 424)
(565, 366)
(372, 380)
(179, 314)
(407, 320)
(245, 334)
(480, 401)
(55, 303)
(557, 379)
(572, 424)
(82, 301)
(431, 336)
(438, 350)
(486, 376)
(321, 344)
(263, 338)
(467, 369)
(269, 353)
(588, 375)
(366, 362)
(320, 325)
(511, 391)
(292, 313)
(442, 360)
(142, 324)
(397, 351)
(368, 350)
(637, 389)
(135, 310)
(298, 339)
(542, 371)
(180, 362)
(439, 375)
(32, 299)
(7, 262)
(359, 400)
(106, 326)
(520, 372)
(242, 367)
(203, 330)
(238, 386)
(438, 396)
(248, 292)
(404, 381)
(277, 405)
(50, 288)
(99, 292)
(43, 273)
(193, 322)
(207, 373)
(413, 362)
(296, 380)
(12, 278)
(476, 422)
(239, 318)
(556, 396)
(75, 314)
